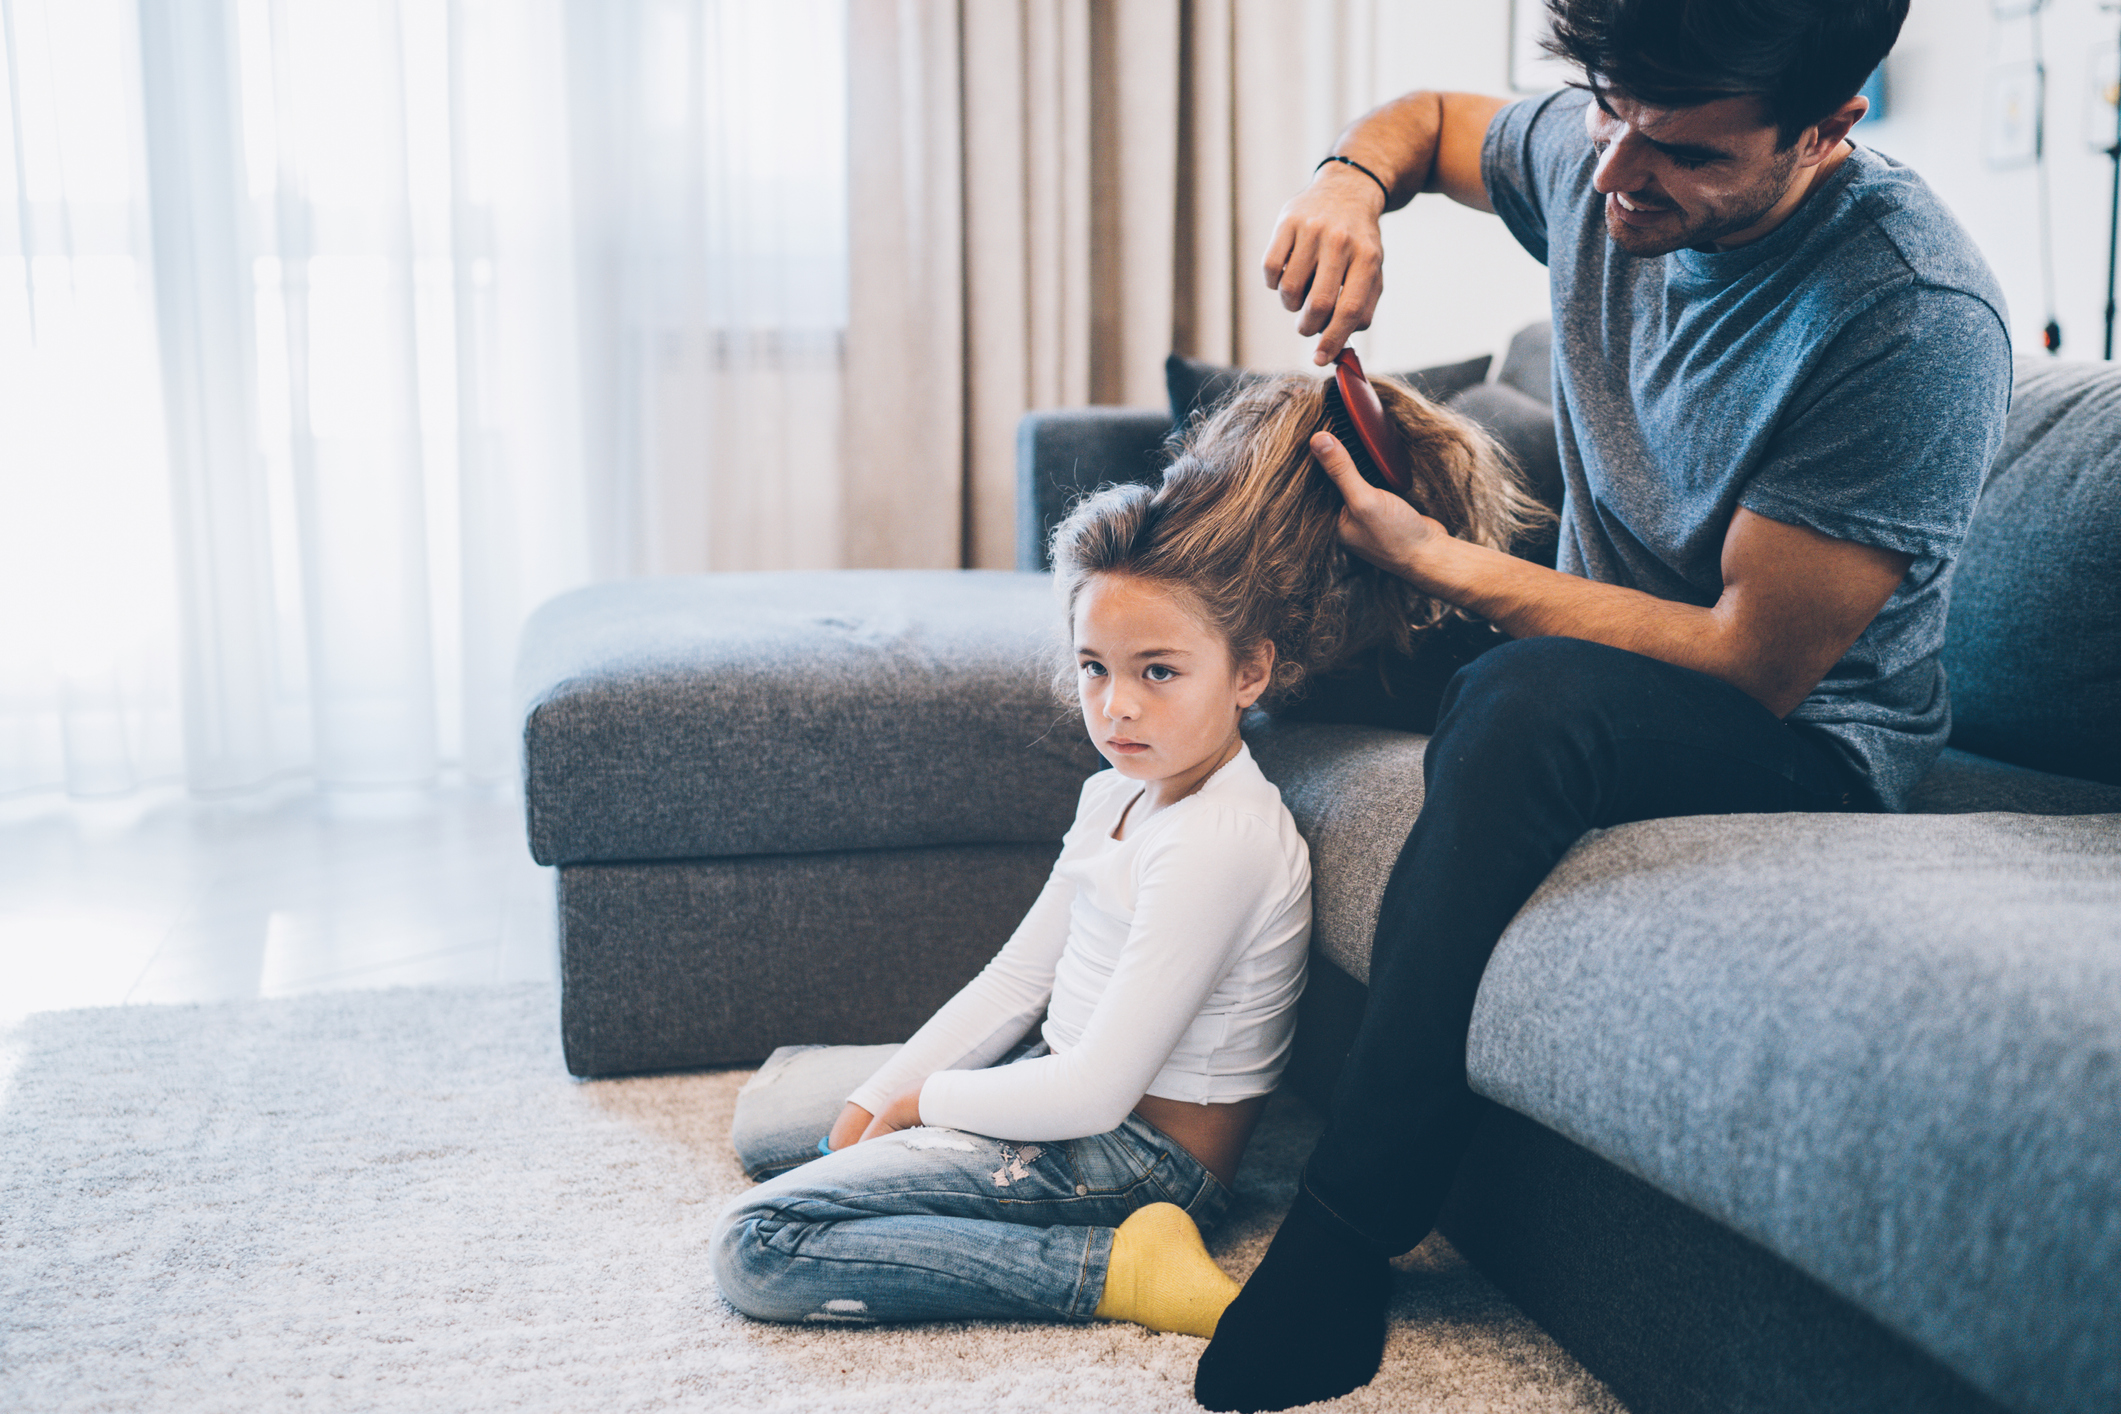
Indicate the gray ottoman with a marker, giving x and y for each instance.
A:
(788, 807)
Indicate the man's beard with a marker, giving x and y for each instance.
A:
(1744, 210)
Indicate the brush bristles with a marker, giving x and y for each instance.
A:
(1341, 423)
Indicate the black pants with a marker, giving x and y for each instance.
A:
(1535, 742)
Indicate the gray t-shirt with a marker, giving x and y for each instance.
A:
(1848, 372)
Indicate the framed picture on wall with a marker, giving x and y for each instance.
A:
(2010, 120)
(1532, 69)
(2102, 94)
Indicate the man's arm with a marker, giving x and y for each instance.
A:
(1793, 600)
(1327, 255)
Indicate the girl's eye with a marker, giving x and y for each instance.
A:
(1092, 668)
(1159, 672)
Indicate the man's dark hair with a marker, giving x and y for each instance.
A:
(1804, 58)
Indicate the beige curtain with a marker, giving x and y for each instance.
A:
(1048, 197)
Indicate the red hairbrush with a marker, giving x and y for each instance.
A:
(1357, 418)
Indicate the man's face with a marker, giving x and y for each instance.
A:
(1700, 176)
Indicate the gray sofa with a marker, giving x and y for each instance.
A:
(1791, 1113)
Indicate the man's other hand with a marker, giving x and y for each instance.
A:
(1376, 524)
(1328, 257)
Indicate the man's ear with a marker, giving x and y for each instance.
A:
(1255, 673)
(1820, 140)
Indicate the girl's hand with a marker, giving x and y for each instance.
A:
(1375, 524)
(849, 1127)
(902, 1113)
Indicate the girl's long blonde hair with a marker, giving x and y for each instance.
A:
(1246, 526)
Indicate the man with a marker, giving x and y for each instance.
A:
(1780, 372)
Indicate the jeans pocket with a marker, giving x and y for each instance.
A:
(1110, 1165)
(1181, 1178)
(1211, 1201)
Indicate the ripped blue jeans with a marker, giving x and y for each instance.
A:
(939, 1225)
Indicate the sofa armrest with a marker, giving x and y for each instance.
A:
(1065, 452)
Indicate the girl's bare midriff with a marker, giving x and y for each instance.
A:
(1214, 1134)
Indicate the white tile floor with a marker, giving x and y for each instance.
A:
(162, 899)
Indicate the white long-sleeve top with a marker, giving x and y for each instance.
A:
(1168, 964)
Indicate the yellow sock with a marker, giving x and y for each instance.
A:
(1161, 1275)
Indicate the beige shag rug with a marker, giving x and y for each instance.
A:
(399, 1200)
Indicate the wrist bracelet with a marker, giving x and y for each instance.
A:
(1336, 157)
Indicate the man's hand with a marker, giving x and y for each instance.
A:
(1377, 525)
(902, 1113)
(1793, 600)
(1328, 257)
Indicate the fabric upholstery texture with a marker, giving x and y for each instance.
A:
(785, 713)
(1528, 364)
(1354, 793)
(1675, 1313)
(1525, 427)
(2033, 648)
(1197, 387)
(1962, 782)
(1901, 1073)
(1063, 454)
(688, 963)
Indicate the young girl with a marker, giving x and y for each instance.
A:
(1166, 951)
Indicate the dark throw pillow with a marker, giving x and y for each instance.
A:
(1525, 427)
(1528, 364)
(1197, 387)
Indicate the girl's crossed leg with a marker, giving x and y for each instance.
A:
(935, 1224)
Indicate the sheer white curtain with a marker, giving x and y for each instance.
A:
(710, 158)
(88, 661)
(335, 336)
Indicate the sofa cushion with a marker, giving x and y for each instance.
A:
(1961, 783)
(1525, 427)
(1064, 453)
(2033, 646)
(1887, 1048)
(737, 714)
(1528, 364)
(1354, 793)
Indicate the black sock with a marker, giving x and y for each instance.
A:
(1309, 1325)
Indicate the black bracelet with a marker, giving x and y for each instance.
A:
(1336, 157)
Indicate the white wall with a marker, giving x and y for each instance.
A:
(1456, 284)
(1937, 79)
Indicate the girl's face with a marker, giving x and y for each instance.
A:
(1161, 693)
